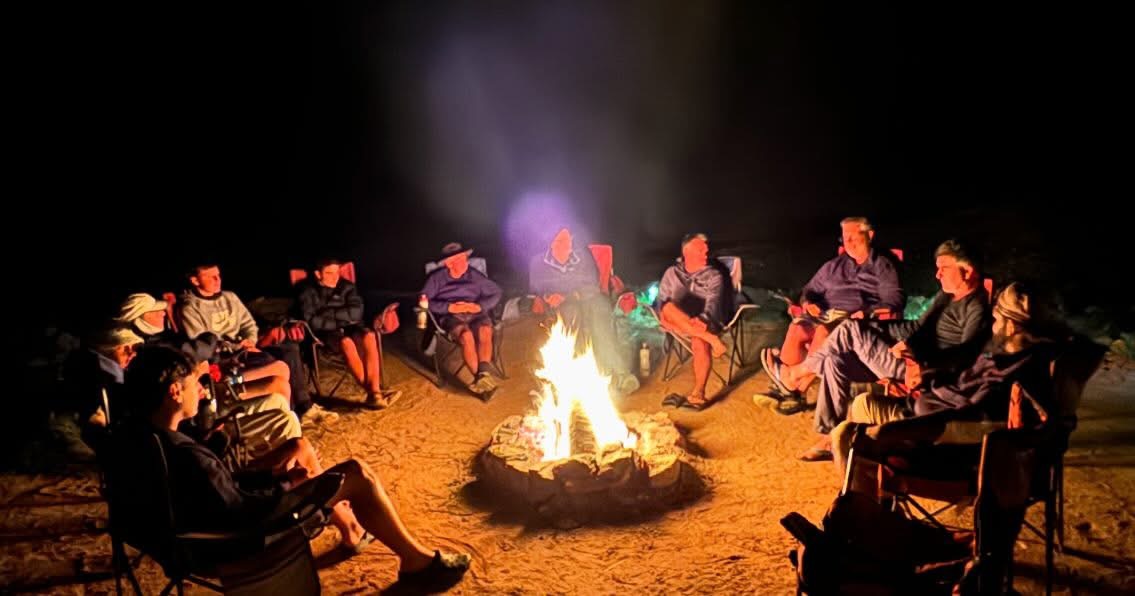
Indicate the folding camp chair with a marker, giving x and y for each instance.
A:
(438, 345)
(609, 283)
(1043, 450)
(273, 556)
(678, 348)
(317, 349)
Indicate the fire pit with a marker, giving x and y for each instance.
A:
(575, 456)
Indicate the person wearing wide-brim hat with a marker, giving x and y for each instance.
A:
(460, 298)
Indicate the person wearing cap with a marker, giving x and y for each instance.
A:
(333, 309)
(145, 315)
(944, 341)
(1025, 340)
(460, 298)
(694, 296)
(568, 281)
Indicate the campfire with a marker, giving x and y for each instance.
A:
(574, 452)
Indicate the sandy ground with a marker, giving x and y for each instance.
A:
(728, 541)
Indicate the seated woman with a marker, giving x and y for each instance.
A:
(164, 390)
(333, 308)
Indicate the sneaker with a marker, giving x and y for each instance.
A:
(625, 383)
(443, 572)
(318, 415)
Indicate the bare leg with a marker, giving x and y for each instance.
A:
(484, 344)
(376, 513)
(673, 317)
(278, 368)
(468, 348)
(795, 341)
(299, 452)
(265, 386)
(372, 356)
(354, 362)
(702, 362)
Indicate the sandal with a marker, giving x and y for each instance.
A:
(696, 406)
(816, 454)
(674, 400)
(773, 367)
(358, 547)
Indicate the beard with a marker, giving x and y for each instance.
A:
(997, 342)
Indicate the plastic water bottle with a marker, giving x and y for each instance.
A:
(644, 360)
(423, 308)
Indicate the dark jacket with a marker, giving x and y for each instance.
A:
(330, 309)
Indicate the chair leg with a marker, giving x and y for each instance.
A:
(169, 587)
(381, 362)
(1059, 490)
(498, 357)
(116, 564)
(1050, 520)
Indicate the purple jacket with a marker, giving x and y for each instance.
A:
(844, 285)
(983, 389)
(473, 286)
(578, 274)
(705, 294)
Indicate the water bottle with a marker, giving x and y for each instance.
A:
(644, 360)
(423, 308)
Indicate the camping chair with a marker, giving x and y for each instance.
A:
(677, 347)
(272, 556)
(438, 345)
(609, 283)
(316, 348)
(1070, 373)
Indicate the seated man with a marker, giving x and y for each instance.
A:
(145, 315)
(461, 297)
(857, 284)
(695, 300)
(944, 341)
(93, 377)
(206, 308)
(568, 281)
(205, 495)
(333, 309)
(1021, 352)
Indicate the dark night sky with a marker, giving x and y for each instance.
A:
(159, 134)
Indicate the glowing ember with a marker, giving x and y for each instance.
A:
(572, 387)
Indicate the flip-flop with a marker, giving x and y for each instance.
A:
(695, 406)
(814, 454)
(772, 366)
(674, 400)
(359, 546)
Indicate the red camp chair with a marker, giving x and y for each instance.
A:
(609, 283)
(384, 323)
